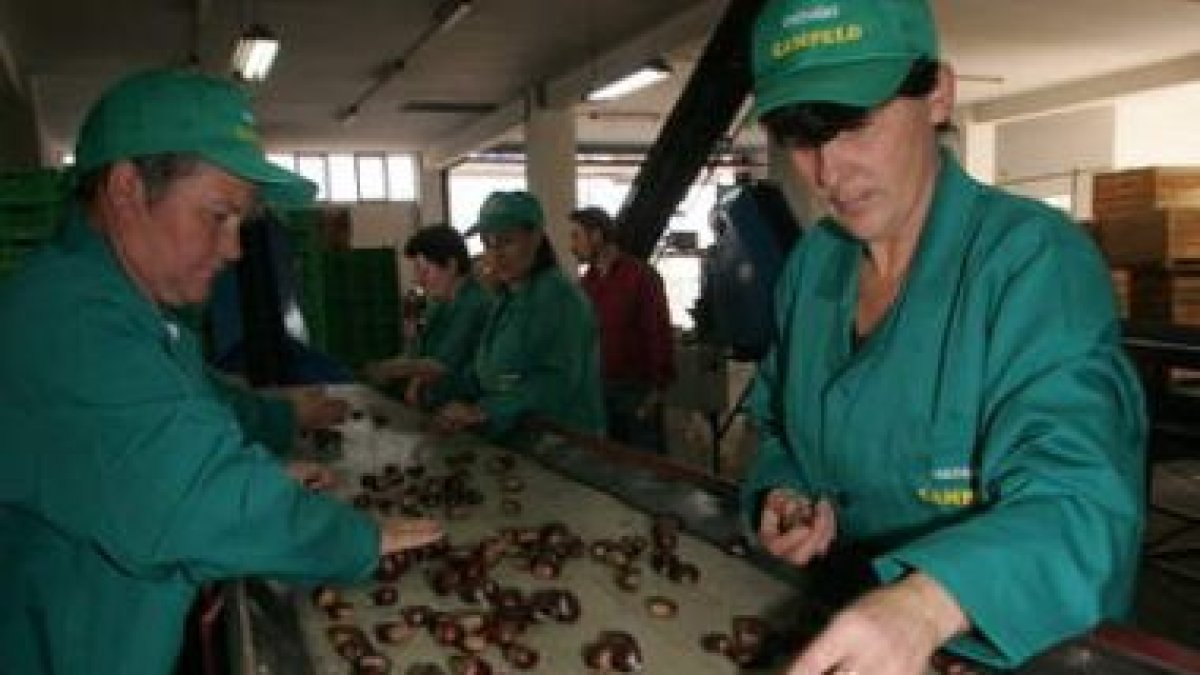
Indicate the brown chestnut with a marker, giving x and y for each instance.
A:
(512, 484)
(716, 643)
(372, 663)
(661, 607)
(324, 597)
(545, 566)
(510, 506)
(520, 656)
(393, 632)
(417, 616)
(340, 611)
(749, 632)
(469, 665)
(629, 579)
(447, 632)
(385, 596)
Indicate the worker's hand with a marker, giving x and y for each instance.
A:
(398, 534)
(312, 475)
(794, 528)
(891, 631)
(456, 416)
(315, 410)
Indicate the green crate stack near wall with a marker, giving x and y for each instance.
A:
(302, 227)
(362, 304)
(31, 203)
(349, 298)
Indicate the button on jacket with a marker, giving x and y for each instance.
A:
(988, 432)
(126, 480)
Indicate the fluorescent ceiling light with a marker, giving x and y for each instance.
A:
(651, 73)
(255, 52)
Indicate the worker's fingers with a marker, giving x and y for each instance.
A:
(398, 534)
(312, 475)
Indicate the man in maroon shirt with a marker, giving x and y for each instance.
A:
(635, 330)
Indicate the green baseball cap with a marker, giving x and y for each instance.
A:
(853, 52)
(167, 111)
(508, 210)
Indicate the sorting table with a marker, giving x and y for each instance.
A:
(599, 492)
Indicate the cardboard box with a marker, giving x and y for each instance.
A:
(1165, 238)
(1158, 296)
(1133, 193)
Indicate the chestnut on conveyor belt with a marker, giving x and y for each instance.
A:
(469, 665)
(349, 642)
(394, 632)
(385, 596)
(372, 663)
(661, 607)
(613, 651)
(520, 656)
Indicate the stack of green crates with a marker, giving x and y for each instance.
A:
(350, 298)
(31, 203)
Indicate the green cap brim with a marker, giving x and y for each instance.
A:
(864, 84)
(492, 228)
(276, 185)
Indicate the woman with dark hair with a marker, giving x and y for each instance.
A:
(453, 322)
(538, 354)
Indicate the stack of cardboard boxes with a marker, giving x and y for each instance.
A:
(1148, 224)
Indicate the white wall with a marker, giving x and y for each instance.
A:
(1159, 128)
(1056, 154)
(385, 225)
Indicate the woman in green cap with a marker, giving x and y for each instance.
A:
(947, 395)
(538, 354)
(454, 319)
(128, 479)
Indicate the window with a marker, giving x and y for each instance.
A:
(372, 178)
(402, 177)
(343, 181)
(346, 177)
(313, 168)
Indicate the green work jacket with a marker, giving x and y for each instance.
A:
(125, 479)
(539, 355)
(988, 432)
(451, 334)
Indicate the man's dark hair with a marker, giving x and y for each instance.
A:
(596, 219)
(544, 259)
(440, 245)
(156, 171)
(812, 124)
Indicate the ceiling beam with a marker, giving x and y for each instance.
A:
(1090, 90)
(569, 88)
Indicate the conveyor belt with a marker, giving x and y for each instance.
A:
(280, 631)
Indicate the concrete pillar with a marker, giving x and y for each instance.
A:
(433, 196)
(551, 173)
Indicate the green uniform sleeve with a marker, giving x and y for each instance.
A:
(773, 466)
(264, 419)
(162, 480)
(1053, 547)
(454, 344)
